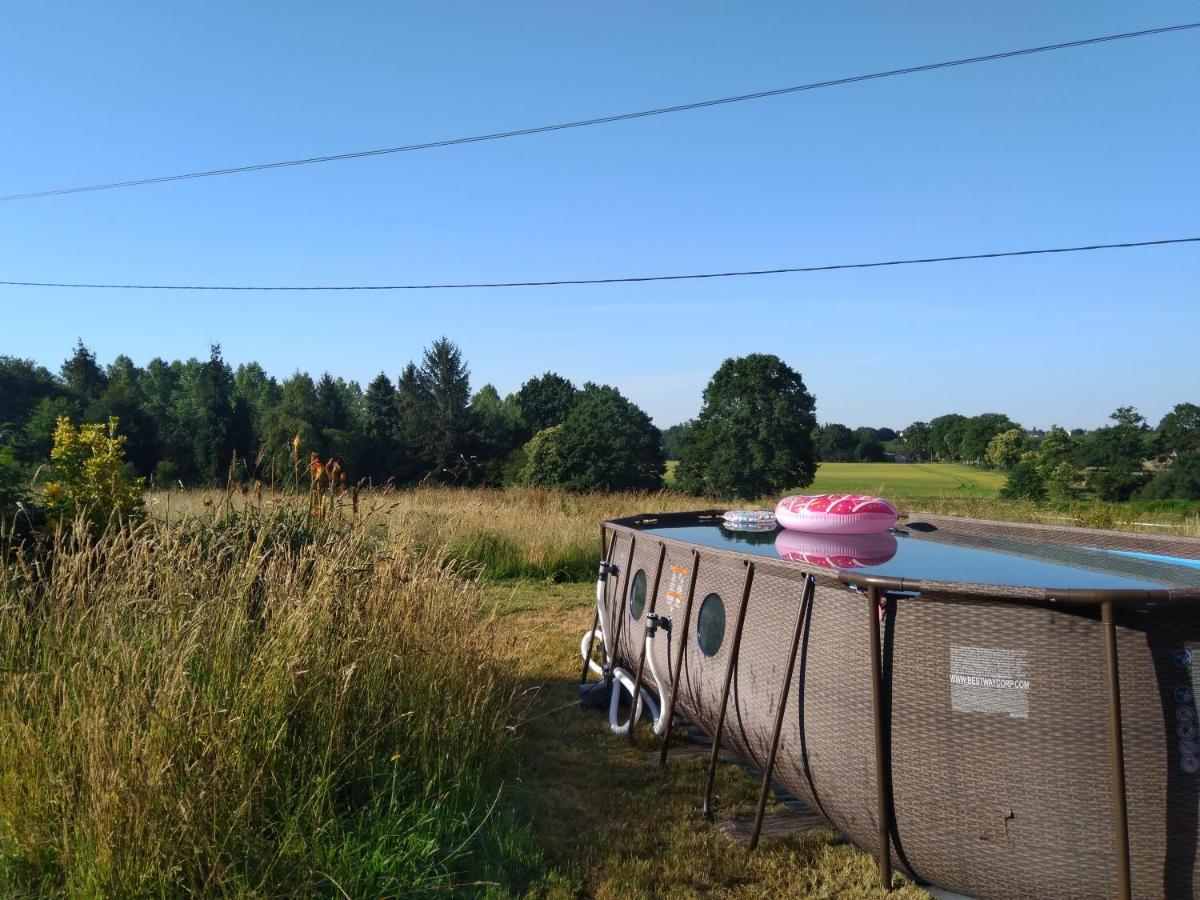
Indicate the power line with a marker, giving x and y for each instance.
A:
(620, 280)
(605, 120)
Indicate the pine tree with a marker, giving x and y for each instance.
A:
(84, 378)
(206, 410)
(500, 431)
(414, 420)
(450, 436)
(381, 426)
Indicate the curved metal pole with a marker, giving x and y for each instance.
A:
(733, 661)
(637, 681)
(674, 685)
(765, 790)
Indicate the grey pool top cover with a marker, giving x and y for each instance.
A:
(912, 553)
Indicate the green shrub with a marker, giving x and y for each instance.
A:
(606, 443)
(1179, 482)
(12, 487)
(92, 479)
(1024, 482)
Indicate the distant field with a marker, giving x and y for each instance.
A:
(898, 479)
(907, 479)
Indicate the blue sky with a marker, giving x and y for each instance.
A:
(1079, 146)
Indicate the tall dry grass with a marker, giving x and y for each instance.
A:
(526, 532)
(519, 532)
(255, 703)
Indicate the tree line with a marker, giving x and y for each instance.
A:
(1119, 461)
(201, 421)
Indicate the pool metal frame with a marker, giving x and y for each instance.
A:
(877, 591)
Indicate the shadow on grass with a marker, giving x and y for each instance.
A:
(610, 823)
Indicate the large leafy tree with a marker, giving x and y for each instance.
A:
(1179, 430)
(546, 400)
(945, 437)
(915, 440)
(868, 447)
(672, 439)
(1005, 450)
(977, 433)
(835, 443)
(754, 434)
(1126, 440)
(606, 443)
(23, 385)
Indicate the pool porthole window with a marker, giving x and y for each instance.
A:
(637, 594)
(710, 625)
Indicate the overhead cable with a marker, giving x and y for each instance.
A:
(625, 279)
(602, 120)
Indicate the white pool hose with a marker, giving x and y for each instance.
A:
(619, 675)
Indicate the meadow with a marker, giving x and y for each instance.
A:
(240, 698)
(898, 479)
(909, 480)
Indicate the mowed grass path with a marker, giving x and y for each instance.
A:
(906, 480)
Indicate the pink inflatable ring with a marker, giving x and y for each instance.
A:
(836, 551)
(836, 513)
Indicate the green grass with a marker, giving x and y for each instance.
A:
(906, 480)
(897, 479)
(613, 825)
(281, 712)
(259, 704)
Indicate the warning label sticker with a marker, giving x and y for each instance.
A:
(676, 585)
(989, 680)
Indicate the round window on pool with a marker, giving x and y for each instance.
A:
(637, 594)
(710, 626)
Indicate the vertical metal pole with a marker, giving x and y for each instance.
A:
(637, 681)
(882, 780)
(733, 661)
(780, 709)
(606, 556)
(1116, 752)
(673, 687)
(620, 621)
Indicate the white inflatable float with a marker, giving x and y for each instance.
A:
(749, 520)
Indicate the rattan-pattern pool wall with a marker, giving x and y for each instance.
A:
(987, 803)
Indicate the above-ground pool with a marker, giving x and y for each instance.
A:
(1002, 710)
